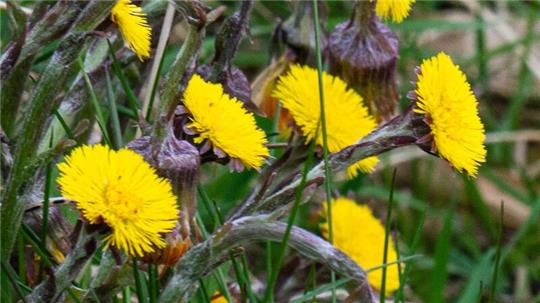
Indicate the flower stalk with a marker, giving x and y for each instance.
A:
(184, 64)
(41, 105)
(201, 259)
(403, 130)
(17, 60)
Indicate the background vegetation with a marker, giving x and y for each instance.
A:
(464, 251)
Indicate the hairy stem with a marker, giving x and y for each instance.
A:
(183, 65)
(400, 131)
(201, 259)
(35, 121)
(51, 289)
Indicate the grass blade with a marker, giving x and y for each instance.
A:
(268, 295)
(218, 274)
(45, 214)
(12, 276)
(311, 294)
(115, 121)
(138, 276)
(327, 174)
(133, 101)
(158, 60)
(497, 256)
(153, 282)
(126, 295)
(387, 235)
(442, 251)
(204, 291)
(95, 103)
(240, 270)
(65, 126)
(241, 273)
(413, 247)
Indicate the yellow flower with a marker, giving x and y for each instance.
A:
(397, 10)
(217, 297)
(445, 98)
(222, 120)
(360, 235)
(134, 28)
(122, 190)
(347, 118)
(365, 166)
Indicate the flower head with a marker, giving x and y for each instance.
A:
(347, 119)
(397, 10)
(365, 166)
(360, 235)
(217, 297)
(223, 121)
(445, 98)
(133, 25)
(364, 53)
(122, 190)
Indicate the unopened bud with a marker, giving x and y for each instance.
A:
(363, 52)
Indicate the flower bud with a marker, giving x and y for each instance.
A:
(363, 52)
(298, 32)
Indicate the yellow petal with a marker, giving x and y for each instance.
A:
(134, 28)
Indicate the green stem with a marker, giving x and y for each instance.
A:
(12, 276)
(64, 124)
(154, 90)
(413, 247)
(497, 257)
(97, 108)
(204, 291)
(41, 106)
(387, 236)
(131, 97)
(240, 270)
(183, 63)
(35, 121)
(126, 295)
(46, 194)
(115, 120)
(327, 172)
(396, 133)
(138, 282)
(53, 25)
(204, 257)
(153, 284)
(268, 295)
(218, 274)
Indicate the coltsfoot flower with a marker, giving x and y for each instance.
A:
(444, 98)
(135, 29)
(123, 191)
(396, 10)
(224, 123)
(217, 297)
(360, 235)
(365, 166)
(347, 119)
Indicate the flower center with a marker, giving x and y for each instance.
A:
(121, 202)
